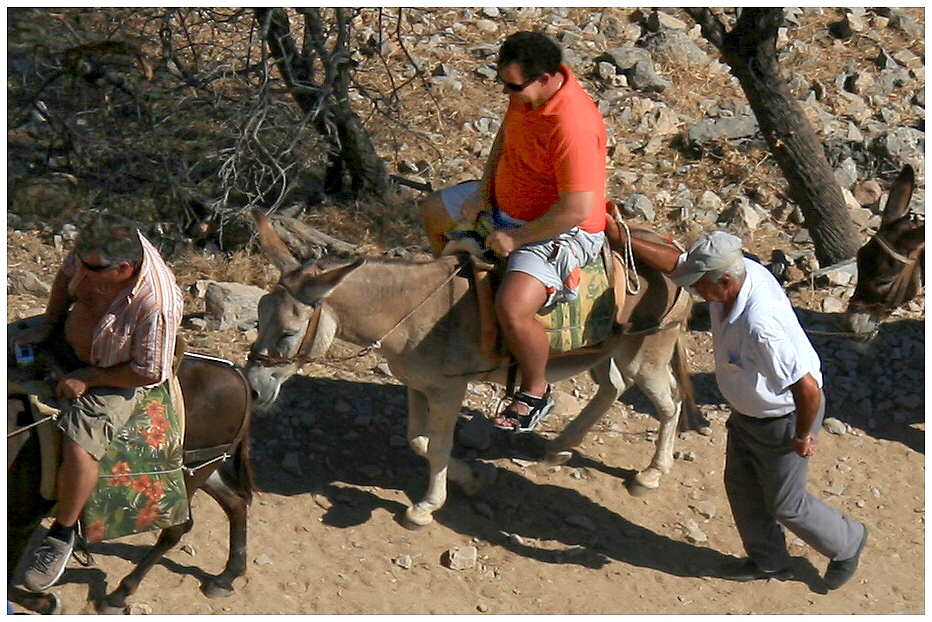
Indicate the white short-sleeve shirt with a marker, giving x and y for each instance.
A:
(761, 348)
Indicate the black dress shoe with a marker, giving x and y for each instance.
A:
(747, 570)
(839, 571)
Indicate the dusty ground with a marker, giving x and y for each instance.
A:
(324, 536)
(549, 540)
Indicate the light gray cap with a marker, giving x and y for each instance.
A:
(716, 250)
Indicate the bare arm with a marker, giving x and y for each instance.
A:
(808, 398)
(572, 209)
(471, 208)
(55, 311)
(659, 256)
(79, 381)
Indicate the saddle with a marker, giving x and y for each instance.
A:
(141, 485)
(603, 307)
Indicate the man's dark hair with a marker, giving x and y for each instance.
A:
(535, 53)
(113, 238)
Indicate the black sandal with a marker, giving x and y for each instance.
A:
(538, 408)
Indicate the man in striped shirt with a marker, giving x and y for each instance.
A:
(112, 320)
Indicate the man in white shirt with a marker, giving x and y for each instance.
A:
(771, 375)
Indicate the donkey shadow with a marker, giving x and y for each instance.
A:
(343, 451)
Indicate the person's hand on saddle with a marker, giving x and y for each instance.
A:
(502, 243)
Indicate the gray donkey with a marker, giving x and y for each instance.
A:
(423, 319)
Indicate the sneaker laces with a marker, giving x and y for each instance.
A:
(46, 555)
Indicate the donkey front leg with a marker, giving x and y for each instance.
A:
(431, 421)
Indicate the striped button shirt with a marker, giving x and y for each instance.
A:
(142, 322)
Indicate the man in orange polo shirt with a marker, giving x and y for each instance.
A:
(544, 184)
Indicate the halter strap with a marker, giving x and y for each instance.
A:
(909, 273)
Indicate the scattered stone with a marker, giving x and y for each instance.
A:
(262, 560)
(705, 509)
(403, 560)
(461, 558)
(578, 520)
(834, 426)
(292, 464)
(692, 532)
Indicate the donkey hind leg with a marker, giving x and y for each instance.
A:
(235, 507)
(611, 384)
(115, 603)
(431, 421)
(660, 385)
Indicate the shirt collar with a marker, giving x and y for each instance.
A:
(741, 300)
(554, 102)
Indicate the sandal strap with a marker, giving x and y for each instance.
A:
(531, 401)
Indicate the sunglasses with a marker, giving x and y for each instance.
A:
(92, 268)
(517, 88)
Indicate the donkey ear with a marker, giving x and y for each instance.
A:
(310, 287)
(900, 194)
(273, 247)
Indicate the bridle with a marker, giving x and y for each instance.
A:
(302, 354)
(911, 272)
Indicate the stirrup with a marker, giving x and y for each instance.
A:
(538, 409)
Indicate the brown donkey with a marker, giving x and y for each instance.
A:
(890, 265)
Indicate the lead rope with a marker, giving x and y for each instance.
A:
(632, 282)
(378, 342)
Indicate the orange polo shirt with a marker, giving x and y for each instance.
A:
(558, 147)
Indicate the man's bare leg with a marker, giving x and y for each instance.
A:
(520, 298)
(436, 222)
(77, 478)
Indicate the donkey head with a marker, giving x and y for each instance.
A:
(890, 265)
(294, 324)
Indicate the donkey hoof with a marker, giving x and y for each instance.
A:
(106, 608)
(558, 457)
(416, 518)
(645, 482)
(637, 490)
(213, 589)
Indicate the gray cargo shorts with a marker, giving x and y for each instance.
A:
(93, 419)
(555, 262)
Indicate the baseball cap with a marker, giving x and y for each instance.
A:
(716, 250)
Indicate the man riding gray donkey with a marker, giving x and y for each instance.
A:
(544, 186)
(112, 319)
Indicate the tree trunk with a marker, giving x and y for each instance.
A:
(750, 50)
(327, 101)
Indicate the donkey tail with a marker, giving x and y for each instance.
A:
(693, 419)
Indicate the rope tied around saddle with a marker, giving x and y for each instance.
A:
(632, 282)
(51, 414)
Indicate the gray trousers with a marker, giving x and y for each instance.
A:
(765, 481)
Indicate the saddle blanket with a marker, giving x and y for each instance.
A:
(141, 485)
(585, 321)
